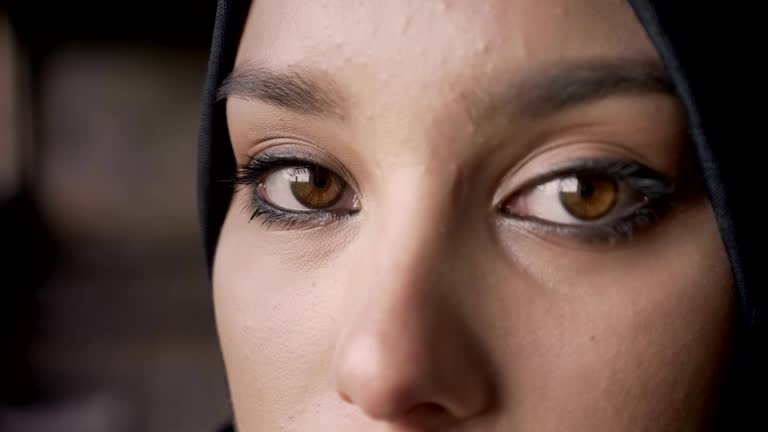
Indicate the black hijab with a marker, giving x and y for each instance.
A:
(708, 55)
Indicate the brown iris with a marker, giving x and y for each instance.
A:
(588, 198)
(316, 187)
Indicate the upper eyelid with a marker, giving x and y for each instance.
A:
(285, 158)
(246, 173)
(618, 168)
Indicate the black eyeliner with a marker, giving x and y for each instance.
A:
(638, 176)
(260, 165)
(617, 231)
(653, 186)
(656, 188)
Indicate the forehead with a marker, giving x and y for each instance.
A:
(438, 38)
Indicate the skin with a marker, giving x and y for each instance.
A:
(427, 310)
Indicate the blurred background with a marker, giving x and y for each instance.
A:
(106, 320)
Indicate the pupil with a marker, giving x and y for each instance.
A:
(319, 180)
(586, 189)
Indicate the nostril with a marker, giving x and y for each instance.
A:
(426, 411)
(426, 414)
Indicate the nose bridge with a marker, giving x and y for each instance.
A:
(402, 280)
(406, 344)
(412, 219)
(409, 261)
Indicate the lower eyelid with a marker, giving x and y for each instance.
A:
(565, 235)
(272, 216)
(615, 231)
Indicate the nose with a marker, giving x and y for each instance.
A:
(408, 355)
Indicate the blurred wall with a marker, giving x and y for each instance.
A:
(119, 334)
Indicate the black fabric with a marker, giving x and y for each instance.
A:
(707, 52)
(216, 162)
(709, 56)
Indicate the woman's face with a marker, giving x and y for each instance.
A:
(464, 216)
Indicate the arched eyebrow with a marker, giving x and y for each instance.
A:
(301, 90)
(568, 85)
(541, 92)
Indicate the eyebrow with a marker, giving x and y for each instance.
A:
(299, 90)
(569, 85)
(539, 93)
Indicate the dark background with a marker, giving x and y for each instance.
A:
(106, 321)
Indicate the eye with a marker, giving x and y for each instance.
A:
(577, 200)
(305, 189)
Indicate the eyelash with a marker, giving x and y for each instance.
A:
(637, 177)
(655, 187)
(252, 173)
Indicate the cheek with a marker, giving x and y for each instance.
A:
(276, 323)
(633, 338)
